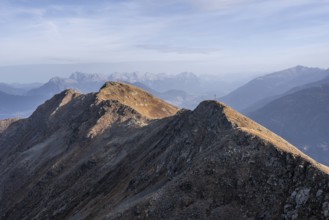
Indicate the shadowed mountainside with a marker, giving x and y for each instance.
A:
(302, 118)
(260, 91)
(105, 156)
(17, 105)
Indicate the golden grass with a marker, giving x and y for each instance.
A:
(249, 126)
(141, 101)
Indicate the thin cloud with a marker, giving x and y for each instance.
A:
(173, 30)
(178, 49)
(212, 5)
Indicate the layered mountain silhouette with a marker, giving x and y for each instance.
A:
(175, 89)
(262, 90)
(79, 81)
(121, 153)
(84, 83)
(17, 105)
(9, 89)
(301, 116)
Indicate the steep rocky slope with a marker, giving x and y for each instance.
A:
(103, 156)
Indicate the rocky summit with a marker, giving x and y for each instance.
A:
(124, 154)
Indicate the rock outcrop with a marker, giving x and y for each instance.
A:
(108, 155)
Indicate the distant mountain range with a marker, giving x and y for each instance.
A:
(13, 106)
(17, 89)
(185, 90)
(79, 81)
(289, 102)
(301, 116)
(260, 91)
(122, 153)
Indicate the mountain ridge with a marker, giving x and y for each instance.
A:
(137, 99)
(79, 157)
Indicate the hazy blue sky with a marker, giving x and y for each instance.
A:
(211, 36)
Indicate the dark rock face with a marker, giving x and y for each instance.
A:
(81, 157)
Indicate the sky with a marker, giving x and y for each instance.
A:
(202, 36)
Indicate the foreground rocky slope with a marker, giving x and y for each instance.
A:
(123, 154)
